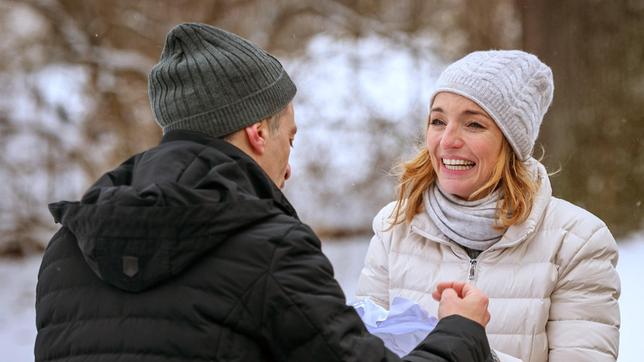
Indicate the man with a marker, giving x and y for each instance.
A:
(190, 252)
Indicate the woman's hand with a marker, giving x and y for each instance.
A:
(463, 299)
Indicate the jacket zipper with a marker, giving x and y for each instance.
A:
(472, 273)
(471, 276)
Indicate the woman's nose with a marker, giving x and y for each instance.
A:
(452, 137)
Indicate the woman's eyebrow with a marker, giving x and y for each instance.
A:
(468, 111)
(475, 112)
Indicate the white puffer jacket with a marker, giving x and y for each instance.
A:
(551, 280)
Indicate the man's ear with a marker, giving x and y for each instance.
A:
(256, 136)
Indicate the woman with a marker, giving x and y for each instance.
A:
(474, 205)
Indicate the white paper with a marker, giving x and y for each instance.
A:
(402, 327)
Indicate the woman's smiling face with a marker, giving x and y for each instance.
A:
(464, 143)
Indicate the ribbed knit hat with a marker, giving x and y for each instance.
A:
(215, 82)
(514, 87)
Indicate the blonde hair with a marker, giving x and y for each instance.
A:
(510, 174)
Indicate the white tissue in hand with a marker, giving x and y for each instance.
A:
(402, 327)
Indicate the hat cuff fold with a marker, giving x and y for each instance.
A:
(235, 116)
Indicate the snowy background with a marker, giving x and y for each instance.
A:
(18, 278)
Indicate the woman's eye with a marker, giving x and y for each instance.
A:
(436, 122)
(475, 124)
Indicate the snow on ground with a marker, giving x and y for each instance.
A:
(17, 314)
(18, 283)
(631, 269)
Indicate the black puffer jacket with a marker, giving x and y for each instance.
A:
(188, 252)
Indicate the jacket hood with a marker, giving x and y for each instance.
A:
(150, 218)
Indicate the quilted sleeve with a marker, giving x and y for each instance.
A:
(374, 277)
(306, 317)
(584, 315)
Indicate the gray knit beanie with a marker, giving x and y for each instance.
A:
(215, 82)
(514, 87)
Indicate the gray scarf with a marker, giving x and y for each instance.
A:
(468, 223)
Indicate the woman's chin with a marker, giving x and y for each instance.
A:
(455, 190)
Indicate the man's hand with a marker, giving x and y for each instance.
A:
(462, 299)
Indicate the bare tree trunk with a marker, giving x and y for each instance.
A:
(594, 130)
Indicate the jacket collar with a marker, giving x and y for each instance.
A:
(266, 189)
(203, 139)
(520, 232)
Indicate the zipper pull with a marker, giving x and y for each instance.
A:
(472, 274)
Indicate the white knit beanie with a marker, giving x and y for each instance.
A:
(514, 87)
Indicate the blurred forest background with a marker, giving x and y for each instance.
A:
(73, 102)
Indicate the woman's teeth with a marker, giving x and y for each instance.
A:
(458, 165)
